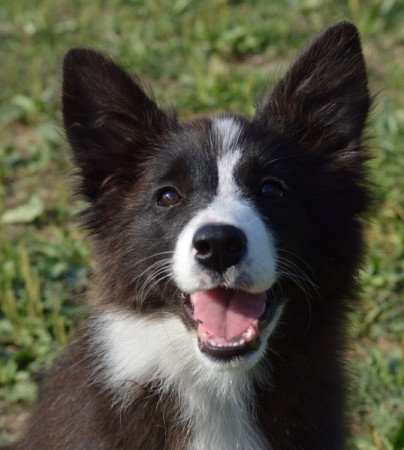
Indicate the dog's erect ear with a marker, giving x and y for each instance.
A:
(323, 100)
(110, 123)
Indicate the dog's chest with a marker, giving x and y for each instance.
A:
(224, 426)
(216, 407)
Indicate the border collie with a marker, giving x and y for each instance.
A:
(227, 253)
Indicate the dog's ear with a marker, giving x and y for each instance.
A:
(323, 100)
(110, 123)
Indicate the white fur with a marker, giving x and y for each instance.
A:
(227, 133)
(215, 400)
(257, 272)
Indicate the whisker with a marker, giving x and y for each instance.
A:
(151, 281)
(155, 283)
(153, 256)
(287, 269)
(154, 266)
(295, 255)
(297, 270)
(298, 280)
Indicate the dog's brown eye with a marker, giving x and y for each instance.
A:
(272, 189)
(168, 197)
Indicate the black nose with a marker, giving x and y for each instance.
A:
(219, 246)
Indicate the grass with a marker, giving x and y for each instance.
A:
(203, 56)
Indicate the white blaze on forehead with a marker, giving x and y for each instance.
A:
(227, 132)
(226, 165)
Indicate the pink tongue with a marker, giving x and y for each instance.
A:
(226, 313)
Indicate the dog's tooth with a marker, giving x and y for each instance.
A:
(249, 333)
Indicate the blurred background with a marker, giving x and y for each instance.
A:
(210, 55)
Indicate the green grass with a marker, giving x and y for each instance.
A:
(211, 56)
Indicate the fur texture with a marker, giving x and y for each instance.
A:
(293, 181)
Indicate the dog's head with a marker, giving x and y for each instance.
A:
(223, 220)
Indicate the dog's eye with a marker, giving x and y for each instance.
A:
(168, 197)
(272, 189)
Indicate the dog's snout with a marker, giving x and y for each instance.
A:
(219, 246)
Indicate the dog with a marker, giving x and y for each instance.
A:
(227, 253)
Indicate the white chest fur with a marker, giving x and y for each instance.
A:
(216, 400)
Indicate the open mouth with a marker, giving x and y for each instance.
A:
(228, 321)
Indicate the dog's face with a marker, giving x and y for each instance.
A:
(206, 232)
(221, 220)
